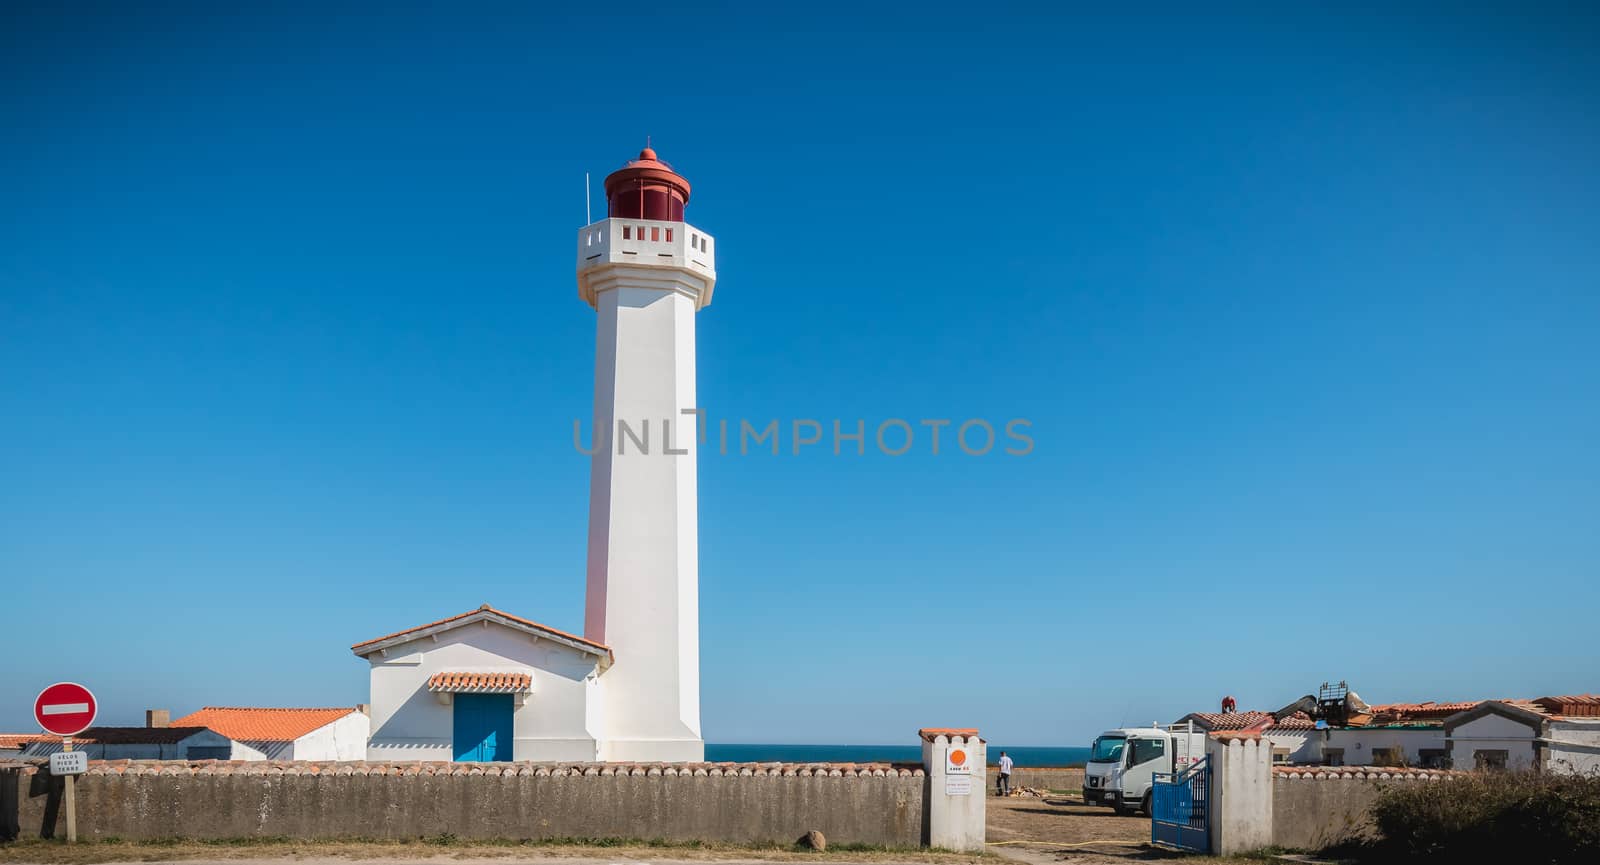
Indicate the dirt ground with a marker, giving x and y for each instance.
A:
(1061, 829)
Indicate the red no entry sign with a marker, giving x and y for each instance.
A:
(65, 709)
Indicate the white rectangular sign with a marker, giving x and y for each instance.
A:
(957, 771)
(69, 763)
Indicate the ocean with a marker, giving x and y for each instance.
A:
(1022, 755)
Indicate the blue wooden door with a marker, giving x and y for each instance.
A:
(483, 727)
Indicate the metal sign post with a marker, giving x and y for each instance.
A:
(71, 797)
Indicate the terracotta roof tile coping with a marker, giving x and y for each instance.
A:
(1384, 773)
(263, 724)
(481, 683)
(444, 768)
(488, 609)
(1236, 735)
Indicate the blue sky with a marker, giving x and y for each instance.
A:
(1301, 305)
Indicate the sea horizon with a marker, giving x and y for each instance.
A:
(744, 752)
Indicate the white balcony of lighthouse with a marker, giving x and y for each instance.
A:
(626, 243)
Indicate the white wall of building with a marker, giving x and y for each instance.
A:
(263, 750)
(344, 739)
(1304, 746)
(1494, 733)
(1359, 742)
(409, 722)
(1574, 747)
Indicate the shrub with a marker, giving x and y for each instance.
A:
(1505, 816)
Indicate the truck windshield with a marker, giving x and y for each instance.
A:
(1107, 749)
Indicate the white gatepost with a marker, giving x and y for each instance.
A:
(1241, 792)
(956, 763)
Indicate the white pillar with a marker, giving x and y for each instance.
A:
(956, 764)
(643, 560)
(1241, 793)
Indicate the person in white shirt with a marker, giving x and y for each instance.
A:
(1002, 782)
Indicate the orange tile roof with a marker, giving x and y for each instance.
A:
(931, 733)
(1231, 720)
(1570, 706)
(481, 683)
(251, 724)
(488, 609)
(18, 741)
(1392, 713)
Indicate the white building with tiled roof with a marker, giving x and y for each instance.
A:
(485, 685)
(1390, 736)
(1550, 734)
(271, 733)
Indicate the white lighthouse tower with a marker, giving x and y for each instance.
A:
(646, 272)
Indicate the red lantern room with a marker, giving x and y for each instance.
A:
(646, 188)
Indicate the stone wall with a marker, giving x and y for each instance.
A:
(874, 804)
(1046, 778)
(1315, 807)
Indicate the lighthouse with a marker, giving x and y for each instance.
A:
(646, 272)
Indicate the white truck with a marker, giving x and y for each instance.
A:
(1123, 762)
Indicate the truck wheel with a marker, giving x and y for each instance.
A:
(1144, 806)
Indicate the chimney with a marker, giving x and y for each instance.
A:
(157, 718)
(363, 708)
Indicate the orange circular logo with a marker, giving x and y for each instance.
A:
(958, 758)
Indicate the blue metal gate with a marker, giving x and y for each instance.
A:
(1180, 808)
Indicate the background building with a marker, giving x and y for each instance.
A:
(287, 734)
(140, 743)
(1551, 734)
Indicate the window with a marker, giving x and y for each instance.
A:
(1489, 759)
(627, 232)
(1433, 758)
(1145, 750)
(1107, 749)
(1333, 756)
(1280, 755)
(1388, 756)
